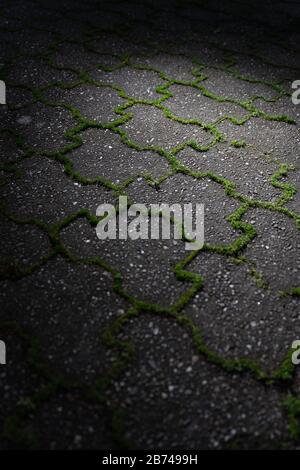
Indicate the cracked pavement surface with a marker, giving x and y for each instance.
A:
(141, 344)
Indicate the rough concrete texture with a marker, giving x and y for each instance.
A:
(141, 344)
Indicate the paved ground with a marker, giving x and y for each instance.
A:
(142, 344)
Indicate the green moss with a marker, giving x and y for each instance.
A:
(292, 404)
(295, 291)
(14, 429)
(238, 143)
(258, 278)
